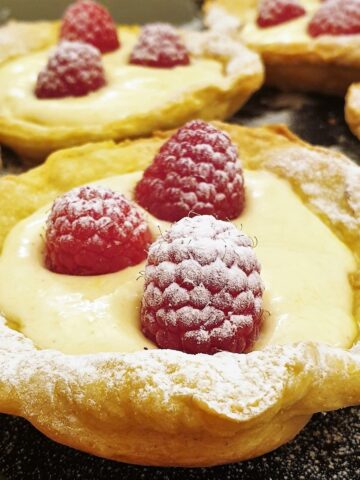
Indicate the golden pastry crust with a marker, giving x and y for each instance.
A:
(34, 140)
(295, 61)
(352, 109)
(165, 407)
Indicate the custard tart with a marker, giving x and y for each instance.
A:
(212, 79)
(75, 362)
(352, 109)
(306, 45)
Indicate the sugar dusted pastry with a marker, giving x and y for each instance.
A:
(306, 45)
(152, 78)
(81, 371)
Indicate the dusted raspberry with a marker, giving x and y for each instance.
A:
(336, 17)
(93, 231)
(89, 22)
(73, 70)
(160, 46)
(203, 291)
(195, 172)
(274, 12)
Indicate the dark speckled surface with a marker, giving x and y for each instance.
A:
(327, 449)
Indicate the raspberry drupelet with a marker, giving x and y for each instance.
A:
(73, 69)
(196, 171)
(203, 291)
(94, 231)
(336, 17)
(89, 22)
(275, 12)
(160, 46)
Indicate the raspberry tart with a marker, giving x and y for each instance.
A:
(352, 109)
(78, 353)
(142, 79)
(306, 45)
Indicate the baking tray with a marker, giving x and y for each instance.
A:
(329, 447)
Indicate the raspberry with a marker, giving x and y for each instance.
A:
(93, 231)
(160, 46)
(274, 12)
(74, 69)
(195, 172)
(203, 291)
(89, 22)
(336, 17)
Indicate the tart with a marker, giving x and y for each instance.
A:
(352, 109)
(294, 59)
(221, 76)
(165, 407)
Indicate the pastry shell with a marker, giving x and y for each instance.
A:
(242, 70)
(326, 64)
(162, 407)
(352, 109)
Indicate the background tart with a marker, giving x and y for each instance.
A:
(352, 109)
(150, 407)
(293, 59)
(221, 77)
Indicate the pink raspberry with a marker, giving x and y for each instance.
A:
(74, 69)
(274, 12)
(93, 231)
(203, 291)
(87, 21)
(195, 172)
(336, 17)
(159, 46)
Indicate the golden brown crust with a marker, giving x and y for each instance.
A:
(165, 407)
(352, 109)
(297, 61)
(242, 69)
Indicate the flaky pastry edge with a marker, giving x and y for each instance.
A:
(163, 407)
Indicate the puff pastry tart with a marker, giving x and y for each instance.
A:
(212, 80)
(306, 45)
(73, 360)
(352, 109)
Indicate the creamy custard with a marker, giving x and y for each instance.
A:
(304, 267)
(130, 89)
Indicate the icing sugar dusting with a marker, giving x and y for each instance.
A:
(202, 288)
(159, 45)
(332, 192)
(73, 68)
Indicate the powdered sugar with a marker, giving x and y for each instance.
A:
(195, 172)
(202, 288)
(274, 12)
(332, 192)
(73, 69)
(159, 45)
(336, 17)
(92, 231)
(90, 22)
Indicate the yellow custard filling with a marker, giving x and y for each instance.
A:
(130, 90)
(304, 266)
